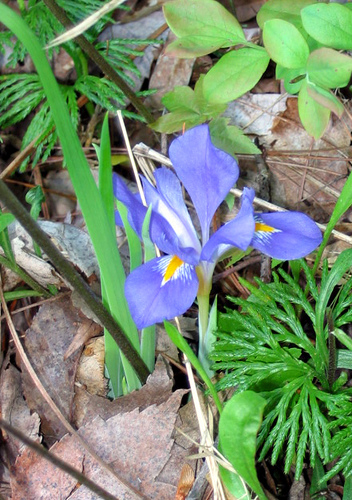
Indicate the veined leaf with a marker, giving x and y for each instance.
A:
(314, 116)
(282, 9)
(234, 74)
(325, 98)
(329, 68)
(330, 24)
(238, 427)
(202, 26)
(285, 44)
(230, 138)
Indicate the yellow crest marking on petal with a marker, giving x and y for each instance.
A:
(172, 267)
(260, 226)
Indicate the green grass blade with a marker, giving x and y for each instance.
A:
(113, 357)
(98, 224)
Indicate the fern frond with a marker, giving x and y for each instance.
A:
(19, 96)
(100, 91)
(5, 39)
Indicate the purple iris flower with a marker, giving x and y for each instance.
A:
(166, 286)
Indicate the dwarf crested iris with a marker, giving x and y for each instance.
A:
(167, 286)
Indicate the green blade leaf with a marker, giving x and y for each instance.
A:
(329, 68)
(314, 116)
(238, 427)
(330, 24)
(98, 224)
(202, 26)
(285, 44)
(234, 74)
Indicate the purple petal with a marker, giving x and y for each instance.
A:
(160, 289)
(206, 172)
(161, 232)
(136, 210)
(236, 233)
(168, 202)
(286, 235)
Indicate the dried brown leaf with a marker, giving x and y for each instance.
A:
(46, 342)
(137, 444)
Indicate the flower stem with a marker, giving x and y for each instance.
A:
(203, 317)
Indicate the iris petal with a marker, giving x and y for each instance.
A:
(167, 201)
(236, 233)
(286, 235)
(160, 289)
(207, 173)
(161, 232)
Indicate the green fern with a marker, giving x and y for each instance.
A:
(264, 346)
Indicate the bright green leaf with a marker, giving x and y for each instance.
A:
(292, 77)
(329, 68)
(202, 26)
(325, 98)
(314, 116)
(286, 10)
(180, 98)
(230, 138)
(238, 427)
(330, 24)
(5, 220)
(285, 44)
(172, 122)
(187, 107)
(234, 74)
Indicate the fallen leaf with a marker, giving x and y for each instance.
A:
(46, 342)
(15, 411)
(169, 72)
(137, 444)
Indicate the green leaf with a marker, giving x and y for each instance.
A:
(347, 489)
(230, 138)
(234, 74)
(283, 9)
(98, 224)
(325, 98)
(180, 98)
(238, 427)
(188, 107)
(5, 220)
(343, 338)
(292, 77)
(172, 122)
(329, 68)
(314, 116)
(285, 44)
(202, 27)
(330, 24)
